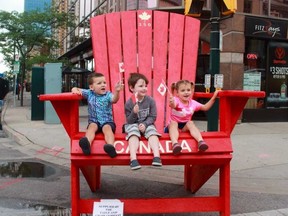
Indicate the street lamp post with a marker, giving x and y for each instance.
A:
(214, 65)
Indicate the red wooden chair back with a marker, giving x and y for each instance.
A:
(161, 45)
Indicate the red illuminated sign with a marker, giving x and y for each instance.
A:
(252, 56)
(279, 52)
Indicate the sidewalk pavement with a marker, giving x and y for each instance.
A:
(259, 161)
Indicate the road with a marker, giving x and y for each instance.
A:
(29, 186)
(48, 191)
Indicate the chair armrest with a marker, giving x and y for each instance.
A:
(231, 105)
(66, 106)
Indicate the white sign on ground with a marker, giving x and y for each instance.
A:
(108, 207)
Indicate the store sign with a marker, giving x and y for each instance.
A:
(16, 67)
(252, 56)
(278, 60)
(265, 28)
(277, 75)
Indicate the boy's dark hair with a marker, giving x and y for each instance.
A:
(133, 79)
(175, 85)
(93, 75)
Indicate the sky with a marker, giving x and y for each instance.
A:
(10, 5)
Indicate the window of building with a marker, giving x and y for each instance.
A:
(273, 8)
(255, 69)
(276, 8)
(247, 6)
(161, 4)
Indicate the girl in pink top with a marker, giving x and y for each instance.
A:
(182, 109)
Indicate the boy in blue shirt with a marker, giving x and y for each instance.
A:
(100, 118)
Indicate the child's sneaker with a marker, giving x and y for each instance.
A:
(202, 146)
(110, 150)
(157, 162)
(177, 149)
(85, 145)
(134, 165)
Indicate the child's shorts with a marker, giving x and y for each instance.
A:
(112, 125)
(180, 126)
(132, 129)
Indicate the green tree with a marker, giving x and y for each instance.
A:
(29, 31)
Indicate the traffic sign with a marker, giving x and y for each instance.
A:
(16, 67)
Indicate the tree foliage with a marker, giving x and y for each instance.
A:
(31, 35)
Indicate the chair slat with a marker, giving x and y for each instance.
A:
(114, 43)
(99, 43)
(160, 48)
(176, 31)
(113, 26)
(145, 24)
(129, 33)
(191, 42)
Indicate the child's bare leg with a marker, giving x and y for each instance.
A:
(173, 132)
(86, 141)
(108, 134)
(194, 131)
(154, 144)
(174, 135)
(133, 146)
(109, 138)
(91, 130)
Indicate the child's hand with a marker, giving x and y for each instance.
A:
(216, 93)
(119, 86)
(136, 108)
(76, 90)
(171, 101)
(142, 128)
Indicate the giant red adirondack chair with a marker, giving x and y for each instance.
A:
(163, 46)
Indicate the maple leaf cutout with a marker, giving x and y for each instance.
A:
(144, 16)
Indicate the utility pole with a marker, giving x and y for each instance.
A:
(214, 66)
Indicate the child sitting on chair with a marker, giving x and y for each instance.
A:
(100, 118)
(140, 111)
(182, 109)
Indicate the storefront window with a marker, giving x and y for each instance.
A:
(277, 75)
(267, 60)
(255, 69)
